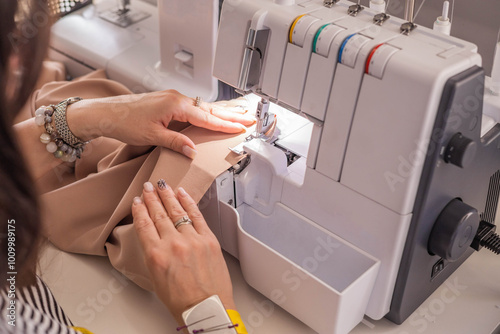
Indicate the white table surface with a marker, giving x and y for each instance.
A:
(97, 297)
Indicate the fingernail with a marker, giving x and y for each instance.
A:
(148, 187)
(182, 192)
(137, 200)
(162, 184)
(189, 152)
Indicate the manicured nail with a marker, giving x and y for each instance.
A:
(162, 185)
(182, 192)
(137, 200)
(189, 152)
(148, 187)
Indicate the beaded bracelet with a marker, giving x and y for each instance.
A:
(59, 139)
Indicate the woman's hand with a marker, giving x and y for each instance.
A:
(186, 263)
(142, 119)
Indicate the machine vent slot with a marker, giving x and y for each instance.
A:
(490, 210)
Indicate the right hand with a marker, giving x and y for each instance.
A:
(186, 264)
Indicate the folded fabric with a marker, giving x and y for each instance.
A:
(87, 208)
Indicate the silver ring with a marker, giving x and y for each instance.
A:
(197, 101)
(183, 221)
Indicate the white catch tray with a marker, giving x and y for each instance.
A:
(316, 276)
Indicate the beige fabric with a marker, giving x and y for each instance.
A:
(86, 209)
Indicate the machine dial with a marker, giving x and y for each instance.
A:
(453, 230)
(324, 37)
(350, 48)
(378, 59)
(460, 150)
(299, 29)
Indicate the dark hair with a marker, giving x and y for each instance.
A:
(24, 31)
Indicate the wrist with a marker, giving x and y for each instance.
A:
(228, 304)
(82, 121)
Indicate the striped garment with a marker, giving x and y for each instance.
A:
(36, 312)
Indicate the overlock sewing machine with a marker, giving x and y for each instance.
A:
(370, 205)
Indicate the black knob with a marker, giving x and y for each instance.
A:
(460, 150)
(453, 230)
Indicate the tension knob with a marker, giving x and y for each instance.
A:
(460, 150)
(453, 230)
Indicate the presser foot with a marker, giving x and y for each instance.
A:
(123, 18)
(270, 135)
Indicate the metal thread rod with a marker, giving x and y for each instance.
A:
(409, 9)
(123, 6)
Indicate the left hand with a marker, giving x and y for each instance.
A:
(142, 119)
(186, 263)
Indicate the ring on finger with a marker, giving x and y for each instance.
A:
(197, 101)
(183, 221)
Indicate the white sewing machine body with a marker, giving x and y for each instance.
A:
(342, 229)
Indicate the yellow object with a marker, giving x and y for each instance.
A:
(293, 26)
(236, 319)
(83, 330)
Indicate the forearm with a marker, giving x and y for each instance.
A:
(92, 118)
